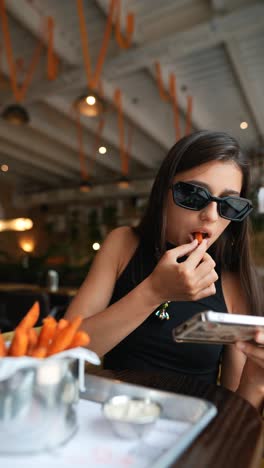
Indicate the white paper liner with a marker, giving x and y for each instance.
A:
(10, 365)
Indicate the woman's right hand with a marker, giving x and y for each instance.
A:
(190, 280)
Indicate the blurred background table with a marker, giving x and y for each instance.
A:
(33, 287)
(234, 439)
(16, 299)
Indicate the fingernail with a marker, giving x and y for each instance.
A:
(260, 337)
(240, 345)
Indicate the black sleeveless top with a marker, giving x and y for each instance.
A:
(150, 346)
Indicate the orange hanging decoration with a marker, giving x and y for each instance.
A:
(173, 94)
(124, 152)
(98, 137)
(3, 81)
(85, 174)
(124, 42)
(83, 170)
(94, 78)
(128, 149)
(20, 67)
(189, 115)
(165, 96)
(30, 71)
(84, 41)
(104, 46)
(9, 51)
(100, 88)
(92, 81)
(110, 106)
(18, 91)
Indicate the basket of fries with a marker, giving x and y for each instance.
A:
(40, 375)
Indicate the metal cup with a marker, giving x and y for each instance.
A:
(37, 407)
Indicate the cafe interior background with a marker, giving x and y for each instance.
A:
(93, 93)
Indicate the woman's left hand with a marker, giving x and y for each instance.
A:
(254, 351)
(252, 379)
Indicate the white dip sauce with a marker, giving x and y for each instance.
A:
(131, 410)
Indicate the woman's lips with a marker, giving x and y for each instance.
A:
(200, 235)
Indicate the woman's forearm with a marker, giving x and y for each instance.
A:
(110, 326)
(251, 393)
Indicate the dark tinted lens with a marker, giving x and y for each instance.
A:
(234, 208)
(190, 196)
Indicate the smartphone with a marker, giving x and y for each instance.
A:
(218, 327)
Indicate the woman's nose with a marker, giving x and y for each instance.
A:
(210, 212)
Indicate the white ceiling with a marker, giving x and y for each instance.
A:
(214, 47)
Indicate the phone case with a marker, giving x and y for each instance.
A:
(217, 327)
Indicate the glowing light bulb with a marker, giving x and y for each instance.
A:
(243, 125)
(22, 224)
(4, 167)
(102, 150)
(16, 224)
(27, 245)
(90, 100)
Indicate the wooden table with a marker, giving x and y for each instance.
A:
(234, 439)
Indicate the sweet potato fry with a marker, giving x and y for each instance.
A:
(39, 352)
(32, 340)
(199, 237)
(61, 324)
(31, 317)
(81, 338)
(3, 350)
(65, 336)
(19, 343)
(47, 332)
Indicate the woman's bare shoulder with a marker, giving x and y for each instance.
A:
(123, 234)
(124, 241)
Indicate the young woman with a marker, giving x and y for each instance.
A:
(201, 187)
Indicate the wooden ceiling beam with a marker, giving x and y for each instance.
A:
(205, 35)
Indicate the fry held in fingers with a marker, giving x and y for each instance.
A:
(199, 237)
(180, 279)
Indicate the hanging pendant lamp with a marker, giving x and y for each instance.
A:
(16, 114)
(85, 186)
(89, 105)
(123, 182)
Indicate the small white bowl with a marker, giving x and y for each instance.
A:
(131, 417)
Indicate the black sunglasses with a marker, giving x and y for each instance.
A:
(194, 197)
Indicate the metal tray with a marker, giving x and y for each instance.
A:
(182, 419)
(194, 411)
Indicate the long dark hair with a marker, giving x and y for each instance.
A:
(232, 249)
